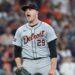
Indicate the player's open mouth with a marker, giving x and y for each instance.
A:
(28, 15)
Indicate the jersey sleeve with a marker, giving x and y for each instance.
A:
(17, 39)
(51, 35)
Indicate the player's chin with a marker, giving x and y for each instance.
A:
(29, 20)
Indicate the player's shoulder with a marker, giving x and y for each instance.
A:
(46, 25)
(22, 27)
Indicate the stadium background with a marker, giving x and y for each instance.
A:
(60, 14)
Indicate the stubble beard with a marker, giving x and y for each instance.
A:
(31, 21)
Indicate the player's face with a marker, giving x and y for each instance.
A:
(31, 14)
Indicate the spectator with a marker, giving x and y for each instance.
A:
(2, 48)
(7, 37)
(7, 59)
(73, 47)
(67, 67)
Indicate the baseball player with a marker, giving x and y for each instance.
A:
(35, 43)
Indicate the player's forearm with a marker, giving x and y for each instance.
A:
(17, 53)
(53, 54)
(18, 62)
(53, 64)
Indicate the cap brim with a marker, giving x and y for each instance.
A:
(25, 7)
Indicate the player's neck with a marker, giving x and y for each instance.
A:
(33, 23)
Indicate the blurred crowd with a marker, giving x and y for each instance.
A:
(60, 14)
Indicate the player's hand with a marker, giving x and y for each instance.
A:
(21, 71)
(51, 72)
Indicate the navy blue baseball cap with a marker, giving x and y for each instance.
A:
(31, 6)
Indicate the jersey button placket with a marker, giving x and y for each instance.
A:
(33, 43)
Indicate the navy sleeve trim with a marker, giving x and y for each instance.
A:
(52, 49)
(17, 51)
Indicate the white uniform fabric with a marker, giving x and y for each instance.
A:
(41, 66)
(33, 41)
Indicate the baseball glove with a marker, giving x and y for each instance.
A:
(22, 71)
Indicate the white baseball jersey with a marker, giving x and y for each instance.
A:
(33, 40)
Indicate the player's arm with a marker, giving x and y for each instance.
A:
(53, 56)
(17, 47)
(20, 70)
(51, 40)
(17, 53)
